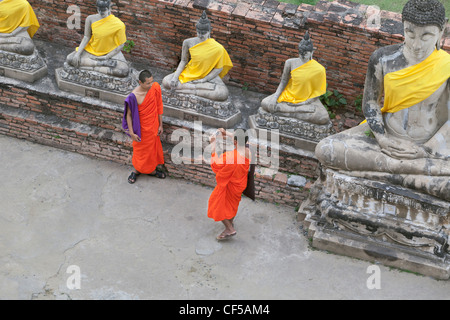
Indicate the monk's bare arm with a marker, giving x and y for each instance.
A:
(160, 129)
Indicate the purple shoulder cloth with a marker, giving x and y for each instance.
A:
(131, 102)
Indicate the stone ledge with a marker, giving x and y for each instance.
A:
(342, 12)
(377, 221)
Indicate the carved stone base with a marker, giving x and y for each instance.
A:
(376, 221)
(96, 85)
(192, 108)
(294, 132)
(20, 67)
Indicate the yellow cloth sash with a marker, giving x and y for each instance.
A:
(107, 34)
(17, 13)
(409, 86)
(205, 57)
(307, 81)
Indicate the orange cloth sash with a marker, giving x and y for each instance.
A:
(148, 153)
(231, 171)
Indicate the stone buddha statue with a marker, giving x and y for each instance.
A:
(102, 44)
(18, 24)
(302, 82)
(204, 62)
(407, 140)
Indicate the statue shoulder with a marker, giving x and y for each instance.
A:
(92, 18)
(190, 42)
(292, 63)
(391, 52)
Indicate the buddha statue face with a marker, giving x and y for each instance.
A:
(424, 24)
(203, 34)
(305, 55)
(420, 41)
(104, 8)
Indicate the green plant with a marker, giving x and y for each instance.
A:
(332, 100)
(129, 45)
(358, 103)
(369, 133)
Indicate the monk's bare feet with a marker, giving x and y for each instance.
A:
(226, 234)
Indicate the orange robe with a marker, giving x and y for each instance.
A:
(148, 153)
(231, 171)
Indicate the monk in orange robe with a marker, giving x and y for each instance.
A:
(231, 169)
(142, 121)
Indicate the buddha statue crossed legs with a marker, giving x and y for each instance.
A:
(302, 82)
(101, 47)
(406, 142)
(204, 62)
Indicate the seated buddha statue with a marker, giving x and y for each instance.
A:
(407, 140)
(102, 44)
(302, 82)
(204, 62)
(18, 24)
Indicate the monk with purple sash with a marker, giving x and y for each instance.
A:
(142, 121)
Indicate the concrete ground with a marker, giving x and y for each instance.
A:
(71, 227)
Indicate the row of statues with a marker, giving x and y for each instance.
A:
(409, 133)
(204, 61)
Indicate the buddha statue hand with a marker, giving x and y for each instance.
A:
(12, 40)
(107, 63)
(273, 106)
(174, 83)
(401, 148)
(76, 60)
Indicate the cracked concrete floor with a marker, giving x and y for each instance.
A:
(152, 240)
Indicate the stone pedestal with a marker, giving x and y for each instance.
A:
(20, 67)
(380, 222)
(216, 114)
(293, 132)
(95, 84)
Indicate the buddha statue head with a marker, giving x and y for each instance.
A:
(203, 27)
(104, 8)
(424, 21)
(305, 48)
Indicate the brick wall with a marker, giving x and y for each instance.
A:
(92, 129)
(260, 35)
